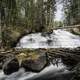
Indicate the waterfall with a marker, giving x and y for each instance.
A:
(57, 39)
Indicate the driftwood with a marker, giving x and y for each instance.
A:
(67, 27)
(71, 56)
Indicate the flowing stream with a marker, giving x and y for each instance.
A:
(57, 39)
(48, 72)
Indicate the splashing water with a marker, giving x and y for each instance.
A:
(22, 75)
(58, 39)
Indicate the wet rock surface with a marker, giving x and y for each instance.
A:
(35, 65)
(11, 66)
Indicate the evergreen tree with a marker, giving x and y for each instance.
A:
(72, 11)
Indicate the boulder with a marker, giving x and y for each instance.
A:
(35, 63)
(10, 66)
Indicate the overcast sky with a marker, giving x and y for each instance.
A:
(59, 12)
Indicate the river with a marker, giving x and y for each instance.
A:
(49, 72)
(57, 39)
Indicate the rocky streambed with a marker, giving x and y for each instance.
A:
(31, 60)
(35, 60)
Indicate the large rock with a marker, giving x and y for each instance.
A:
(35, 62)
(11, 66)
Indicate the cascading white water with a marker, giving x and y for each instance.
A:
(59, 38)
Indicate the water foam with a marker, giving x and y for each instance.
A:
(59, 38)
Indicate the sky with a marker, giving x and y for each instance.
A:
(59, 12)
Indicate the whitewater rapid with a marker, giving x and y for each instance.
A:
(57, 39)
(22, 75)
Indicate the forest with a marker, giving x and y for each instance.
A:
(35, 34)
(20, 17)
